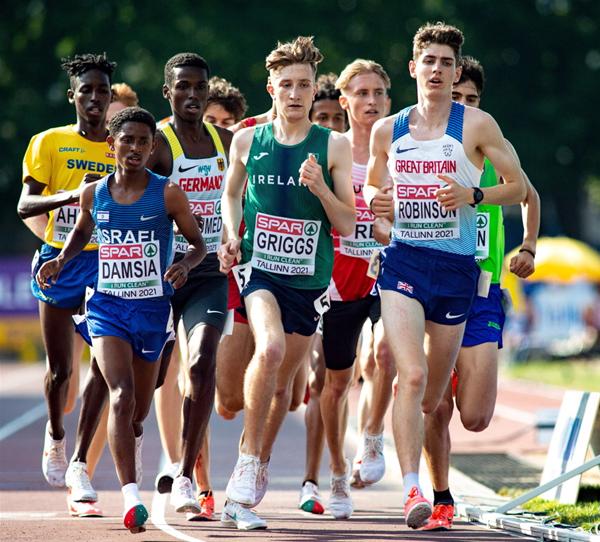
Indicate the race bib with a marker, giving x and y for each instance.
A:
(64, 220)
(419, 216)
(322, 303)
(241, 274)
(286, 246)
(212, 225)
(130, 270)
(374, 263)
(482, 251)
(361, 243)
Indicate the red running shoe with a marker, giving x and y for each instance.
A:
(135, 518)
(441, 518)
(417, 509)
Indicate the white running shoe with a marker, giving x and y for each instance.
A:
(78, 482)
(54, 459)
(241, 487)
(164, 479)
(310, 500)
(340, 502)
(182, 496)
(372, 465)
(138, 459)
(244, 519)
(262, 482)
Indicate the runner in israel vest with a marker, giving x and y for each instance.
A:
(288, 234)
(490, 229)
(203, 181)
(135, 242)
(419, 219)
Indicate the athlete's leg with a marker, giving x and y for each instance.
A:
(73, 391)
(202, 466)
(99, 440)
(145, 374)
(233, 357)
(367, 370)
(315, 435)
(299, 386)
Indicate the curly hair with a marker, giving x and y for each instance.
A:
(230, 98)
(80, 64)
(440, 33)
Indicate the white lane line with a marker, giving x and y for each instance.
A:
(23, 421)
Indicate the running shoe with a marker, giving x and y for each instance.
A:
(78, 483)
(372, 465)
(138, 459)
(182, 496)
(237, 516)
(207, 508)
(340, 502)
(441, 518)
(310, 500)
(417, 509)
(84, 509)
(135, 518)
(241, 487)
(54, 459)
(164, 479)
(262, 482)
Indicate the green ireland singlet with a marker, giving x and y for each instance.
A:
(490, 229)
(288, 234)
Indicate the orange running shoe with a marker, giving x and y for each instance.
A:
(417, 509)
(207, 508)
(441, 518)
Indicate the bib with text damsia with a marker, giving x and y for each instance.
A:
(287, 246)
(130, 270)
(419, 216)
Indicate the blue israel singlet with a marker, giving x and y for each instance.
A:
(135, 241)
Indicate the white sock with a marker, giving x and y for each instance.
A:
(131, 495)
(410, 480)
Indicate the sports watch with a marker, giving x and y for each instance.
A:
(477, 196)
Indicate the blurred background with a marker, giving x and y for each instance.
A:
(542, 62)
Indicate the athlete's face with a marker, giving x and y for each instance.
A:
(365, 98)
(329, 113)
(435, 70)
(91, 96)
(293, 89)
(188, 92)
(219, 116)
(132, 144)
(466, 93)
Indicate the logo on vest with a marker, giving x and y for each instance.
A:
(221, 164)
(447, 149)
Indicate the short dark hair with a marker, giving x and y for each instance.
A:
(80, 64)
(472, 70)
(131, 114)
(230, 98)
(326, 87)
(184, 59)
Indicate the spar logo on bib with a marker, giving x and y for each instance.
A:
(212, 225)
(287, 246)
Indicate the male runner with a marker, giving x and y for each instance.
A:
(57, 165)
(477, 362)
(128, 318)
(298, 187)
(194, 155)
(226, 105)
(434, 153)
(363, 85)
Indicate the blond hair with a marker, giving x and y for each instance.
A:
(358, 67)
(439, 33)
(300, 51)
(122, 92)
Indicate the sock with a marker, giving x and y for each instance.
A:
(409, 481)
(309, 480)
(442, 497)
(131, 496)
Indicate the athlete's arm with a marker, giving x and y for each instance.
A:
(79, 237)
(37, 224)
(32, 203)
(161, 160)
(178, 207)
(231, 201)
(377, 191)
(339, 202)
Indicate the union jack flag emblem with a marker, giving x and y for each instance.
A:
(405, 286)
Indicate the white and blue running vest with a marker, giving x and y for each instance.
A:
(135, 242)
(414, 166)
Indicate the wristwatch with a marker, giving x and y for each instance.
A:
(477, 196)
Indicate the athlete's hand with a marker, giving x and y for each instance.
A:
(381, 231)
(522, 265)
(453, 195)
(382, 205)
(311, 175)
(228, 254)
(177, 274)
(49, 272)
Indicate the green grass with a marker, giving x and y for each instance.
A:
(573, 374)
(584, 514)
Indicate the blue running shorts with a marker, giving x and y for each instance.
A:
(486, 319)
